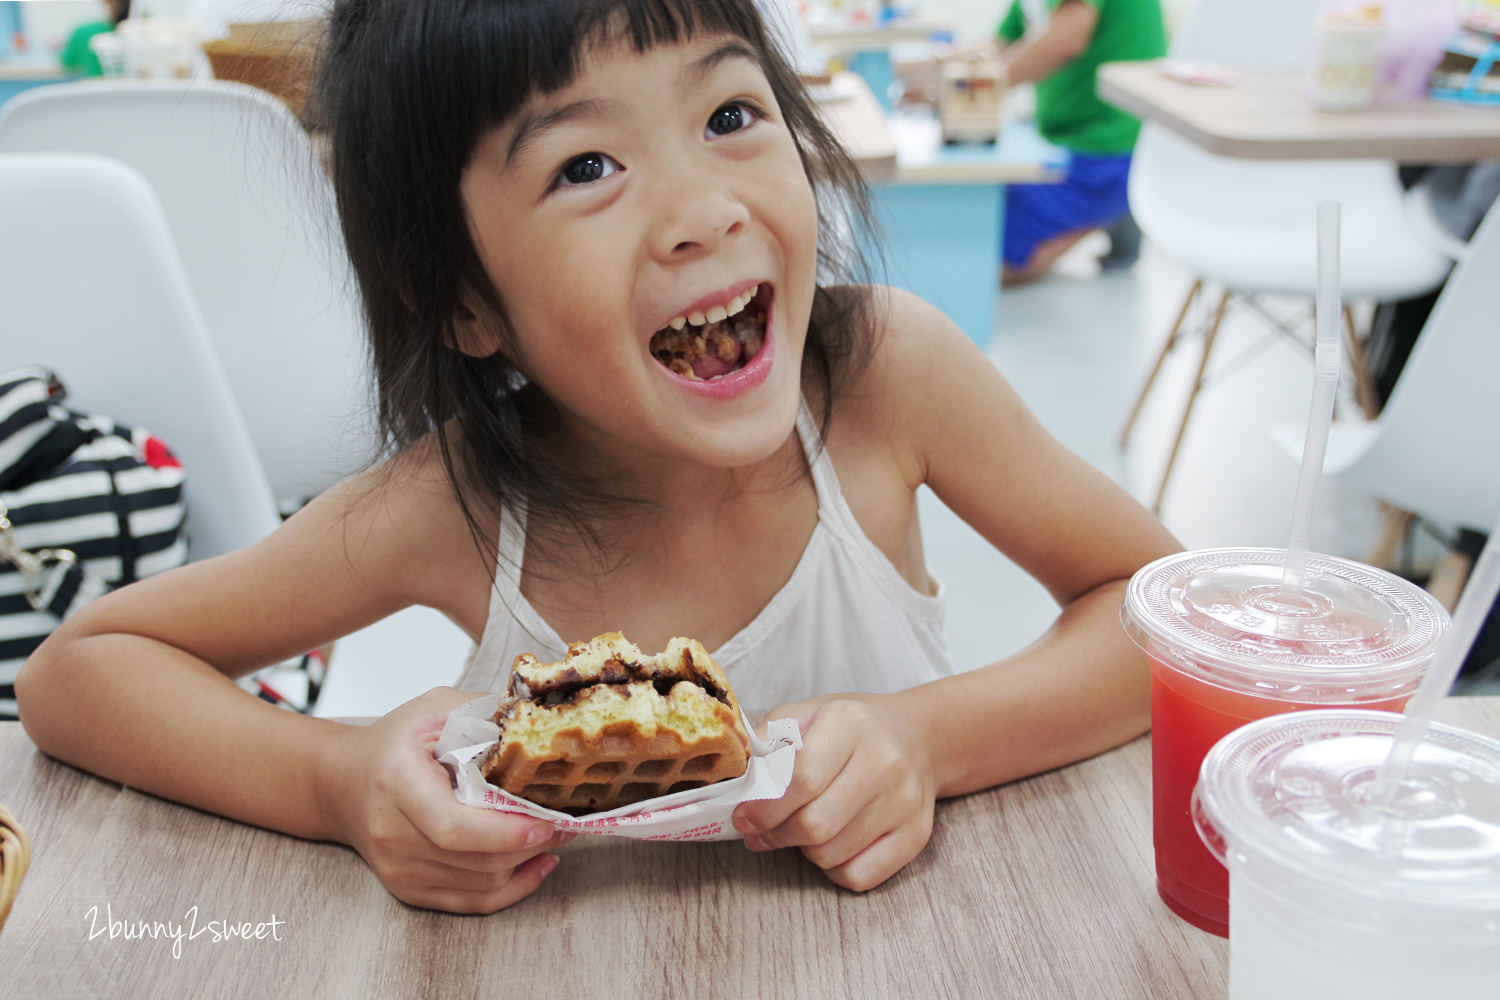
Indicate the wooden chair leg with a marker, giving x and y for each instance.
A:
(1209, 337)
(1393, 527)
(1161, 358)
(1364, 388)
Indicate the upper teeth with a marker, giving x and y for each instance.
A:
(716, 313)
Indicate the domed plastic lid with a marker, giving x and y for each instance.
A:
(1295, 791)
(1356, 633)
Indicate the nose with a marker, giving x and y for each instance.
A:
(696, 213)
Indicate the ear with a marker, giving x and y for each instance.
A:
(473, 335)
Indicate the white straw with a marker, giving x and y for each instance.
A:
(1326, 363)
(1453, 649)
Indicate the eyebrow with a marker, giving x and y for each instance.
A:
(533, 126)
(695, 73)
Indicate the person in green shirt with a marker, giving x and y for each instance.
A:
(76, 57)
(1061, 51)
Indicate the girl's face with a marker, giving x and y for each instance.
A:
(653, 236)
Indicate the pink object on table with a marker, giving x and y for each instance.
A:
(1198, 74)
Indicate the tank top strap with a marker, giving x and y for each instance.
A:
(509, 612)
(825, 479)
(834, 512)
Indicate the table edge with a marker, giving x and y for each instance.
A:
(1248, 147)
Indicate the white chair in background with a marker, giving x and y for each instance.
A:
(1247, 227)
(252, 215)
(1435, 449)
(92, 287)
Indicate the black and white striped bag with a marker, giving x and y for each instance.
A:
(88, 504)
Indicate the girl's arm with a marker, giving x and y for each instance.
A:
(860, 804)
(138, 687)
(1083, 687)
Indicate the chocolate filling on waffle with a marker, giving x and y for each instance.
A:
(611, 725)
(713, 348)
(616, 672)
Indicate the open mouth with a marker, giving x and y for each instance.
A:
(707, 346)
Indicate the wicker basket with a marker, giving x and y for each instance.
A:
(278, 58)
(15, 855)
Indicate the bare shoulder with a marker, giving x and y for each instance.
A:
(922, 370)
(401, 520)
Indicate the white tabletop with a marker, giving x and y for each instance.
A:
(1269, 115)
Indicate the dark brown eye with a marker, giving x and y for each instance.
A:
(729, 118)
(588, 168)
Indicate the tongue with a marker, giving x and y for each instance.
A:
(707, 368)
(713, 362)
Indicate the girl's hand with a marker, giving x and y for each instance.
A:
(861, 798)
(393, 803)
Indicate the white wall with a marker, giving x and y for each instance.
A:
(48, 23)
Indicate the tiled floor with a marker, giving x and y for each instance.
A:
(1076, 346)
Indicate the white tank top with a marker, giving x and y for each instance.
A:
(847, 620)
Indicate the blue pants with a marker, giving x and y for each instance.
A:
(1091, 195)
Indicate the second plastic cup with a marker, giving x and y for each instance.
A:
(1336, 892)
(1225, 649)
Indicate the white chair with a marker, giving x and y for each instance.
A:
(252, 215)
(92, 287)
(1247, 227)
(1435, 448)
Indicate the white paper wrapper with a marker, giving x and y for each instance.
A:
(696, 814)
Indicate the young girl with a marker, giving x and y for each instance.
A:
(598, 242)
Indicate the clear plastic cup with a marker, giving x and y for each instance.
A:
(1347, 51)
(1331, 896)
(1224, 651)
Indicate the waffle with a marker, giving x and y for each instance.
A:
(609, 726)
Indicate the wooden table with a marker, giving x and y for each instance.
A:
(1268, 115)
(1039, 889)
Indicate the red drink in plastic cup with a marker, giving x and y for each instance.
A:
(1226, 649)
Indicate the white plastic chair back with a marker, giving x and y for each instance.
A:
(92, 287)
(1251, 223)
(1438, 447)
(253, 217)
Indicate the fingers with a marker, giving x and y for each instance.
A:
(482, 861)
(858, 806)
(849, 795)
(428, 804)
(881, 859)
(428, 712)
(437, 875)
(818, 765)
(526, 879)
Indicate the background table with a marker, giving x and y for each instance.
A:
(17, 75)
(1268, 115)
(940, 208)
(1040, 889)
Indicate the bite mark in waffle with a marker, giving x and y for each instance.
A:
(609, 726)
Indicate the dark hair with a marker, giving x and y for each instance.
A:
(406, 90)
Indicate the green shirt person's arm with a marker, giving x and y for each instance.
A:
(1067, 37)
